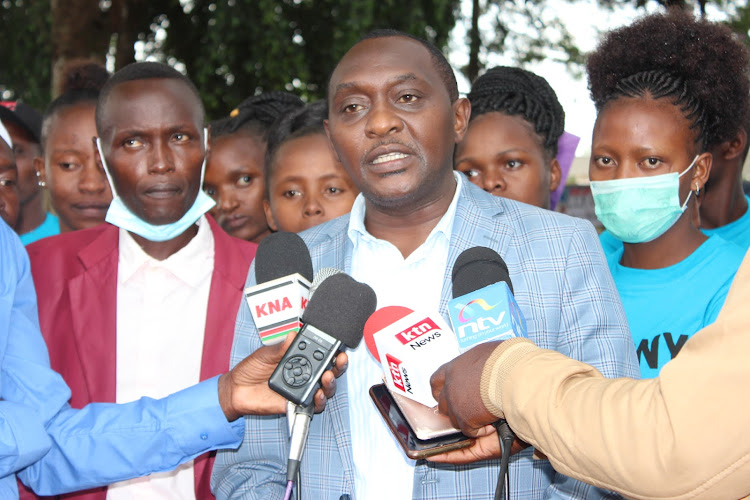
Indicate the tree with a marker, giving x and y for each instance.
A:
(261, 45)
(528, 30)
(231, 48)
(25, 55)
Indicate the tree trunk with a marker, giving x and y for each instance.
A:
(125, 24)
(475, 42)
(79, 31)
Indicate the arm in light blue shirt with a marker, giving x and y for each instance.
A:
(58, 449)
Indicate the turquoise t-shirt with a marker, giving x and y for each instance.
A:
(50, 227)
(737, 232)
(665, 307)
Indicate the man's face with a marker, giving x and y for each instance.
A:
(152, 139)
(391, 121)
(9, 204)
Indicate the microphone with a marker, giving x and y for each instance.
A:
(483, 307)
(299, 417)
(410, 346)
(377, 321)
(335, 315)
(283, 271)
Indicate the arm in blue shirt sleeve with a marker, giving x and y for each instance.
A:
(23, 439)
(104, 443)
(30, 392)
(65, 449)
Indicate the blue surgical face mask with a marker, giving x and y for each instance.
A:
(639, 209)
(121, 216)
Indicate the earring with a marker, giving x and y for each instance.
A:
(697, 190)
(39, 181)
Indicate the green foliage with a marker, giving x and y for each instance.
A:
(238, 48)
(231, 49)
(25, 54)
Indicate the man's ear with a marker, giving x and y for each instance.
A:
(461, 115)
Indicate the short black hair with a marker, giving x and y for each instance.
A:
(701, 66)
(517, 92)
(301, 122)
(442, 65)
(81, 84)
(256, 114)
(143, 71)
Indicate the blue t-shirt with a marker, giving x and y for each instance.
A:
(665, 307)
(50, 227)
(737, 232)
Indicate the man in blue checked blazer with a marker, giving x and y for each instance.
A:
(395, 117)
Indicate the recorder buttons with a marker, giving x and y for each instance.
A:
(319, 355)
(297, 371)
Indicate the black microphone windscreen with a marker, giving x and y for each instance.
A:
(476, 268)
(281, 254)
(340, 308)
(322, 275)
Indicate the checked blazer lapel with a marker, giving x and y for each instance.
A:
(477, 223)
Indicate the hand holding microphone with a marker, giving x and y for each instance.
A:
(244, 390)
(283, 270)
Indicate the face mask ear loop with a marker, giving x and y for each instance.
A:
(683, 207)
(106, 169)
(692, 164)
(205, 155)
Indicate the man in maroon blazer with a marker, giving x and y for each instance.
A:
(153, 147)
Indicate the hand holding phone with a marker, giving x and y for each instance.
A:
(439, 438)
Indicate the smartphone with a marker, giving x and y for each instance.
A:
(414, 447)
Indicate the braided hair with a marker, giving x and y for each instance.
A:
(515, 91)
(256, 114)
(301, 122)
(81, 84)
(702, 67)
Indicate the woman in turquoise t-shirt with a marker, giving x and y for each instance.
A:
(665, 88)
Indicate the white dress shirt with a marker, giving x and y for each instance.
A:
(161, 319)
(382, 469)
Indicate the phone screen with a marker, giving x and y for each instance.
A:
(414, 447)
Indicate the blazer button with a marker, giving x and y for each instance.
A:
(345, 496)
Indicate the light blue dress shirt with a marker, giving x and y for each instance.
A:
(56, 449)
(414, 282)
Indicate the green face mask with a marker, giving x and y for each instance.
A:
(639, 209)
